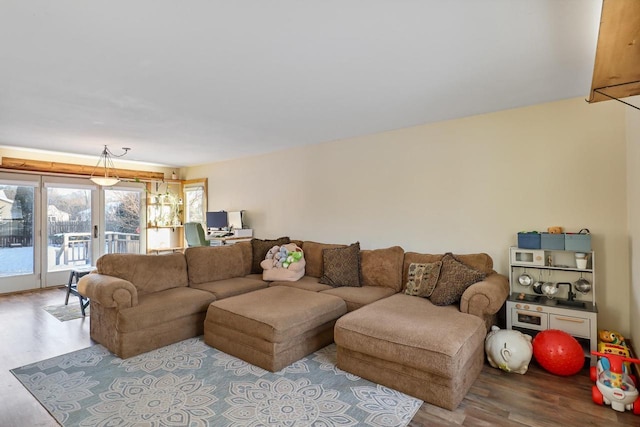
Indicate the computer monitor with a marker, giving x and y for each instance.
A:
(217, 219)
(235, 219)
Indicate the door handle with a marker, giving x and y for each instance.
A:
(95, 231)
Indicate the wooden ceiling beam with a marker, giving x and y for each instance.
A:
(74, 169)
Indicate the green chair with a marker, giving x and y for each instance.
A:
(194, 233)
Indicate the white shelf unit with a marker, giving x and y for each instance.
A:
(532, 312)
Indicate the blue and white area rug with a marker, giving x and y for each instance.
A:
(192, 384)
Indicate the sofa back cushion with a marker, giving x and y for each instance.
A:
(382, 267)
(148, 273)
(313, 256)
(247, 254)
(211, 263)
(481, 262)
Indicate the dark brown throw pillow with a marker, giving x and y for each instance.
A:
(260, 248)
(422, 278)
(455, 278)
(341, 266)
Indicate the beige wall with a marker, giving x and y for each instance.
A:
(465, 185)
(633, 173)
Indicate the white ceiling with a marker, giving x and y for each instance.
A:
(198, 81)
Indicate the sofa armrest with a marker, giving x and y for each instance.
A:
(485, 297)
(108, 290)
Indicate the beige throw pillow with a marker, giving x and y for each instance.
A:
(341, 266)
(455, 278)
(422, 278)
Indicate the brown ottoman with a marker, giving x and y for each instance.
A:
(272, 328)
(406, 343)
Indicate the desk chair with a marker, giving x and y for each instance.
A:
(194, 233)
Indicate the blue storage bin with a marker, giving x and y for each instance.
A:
(553, 242)
(529, 240)
(577, 242)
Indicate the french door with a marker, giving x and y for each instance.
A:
(50, 225)
(72, 211)
(19, 228)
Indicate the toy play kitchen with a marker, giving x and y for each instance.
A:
(553, 285)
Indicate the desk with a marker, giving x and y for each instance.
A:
(230, 240)
(157, 251)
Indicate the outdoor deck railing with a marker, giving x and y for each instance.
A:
(75, 247)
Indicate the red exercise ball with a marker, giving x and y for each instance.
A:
(558, 352)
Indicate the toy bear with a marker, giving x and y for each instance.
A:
(612, 337)
(555, 230)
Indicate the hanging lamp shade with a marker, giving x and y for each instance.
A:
(110, 176)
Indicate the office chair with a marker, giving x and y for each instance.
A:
(194, 233)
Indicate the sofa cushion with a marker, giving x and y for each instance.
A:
(247, 255)
(341, 266)
(275, 314)
(260, 248)
(230, 287)
(313, 256)
(308, 283)
(455, 278)
(414, 333)
(210, 263)
(358, 297)
(382, 267)
(422, 278)
(162, 307)
(148, 273)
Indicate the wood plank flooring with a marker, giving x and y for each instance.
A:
(29, 334)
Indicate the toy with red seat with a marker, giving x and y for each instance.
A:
(614, 386)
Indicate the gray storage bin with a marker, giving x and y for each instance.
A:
(552, 241)
(577, 242)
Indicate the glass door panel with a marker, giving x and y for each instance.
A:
(19, 259)
(70, 240)
(123, 219)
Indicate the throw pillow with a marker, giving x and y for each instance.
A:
(422, 278)
(455, 278)
(341, 266)
(260, 248)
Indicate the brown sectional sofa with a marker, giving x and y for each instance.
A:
(142, 302)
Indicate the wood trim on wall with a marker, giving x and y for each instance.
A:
(74, 169)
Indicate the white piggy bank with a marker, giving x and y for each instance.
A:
(508, 350)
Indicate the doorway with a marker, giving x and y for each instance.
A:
(19, 219)
(50, 225)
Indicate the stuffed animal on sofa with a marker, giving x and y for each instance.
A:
(271, 254)
(283, 263)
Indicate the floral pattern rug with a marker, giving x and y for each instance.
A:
(192, 384)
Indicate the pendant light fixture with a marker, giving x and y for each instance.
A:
(110, 177)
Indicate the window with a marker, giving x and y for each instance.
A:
(195, 200)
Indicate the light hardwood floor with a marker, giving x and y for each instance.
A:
(29, 334)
